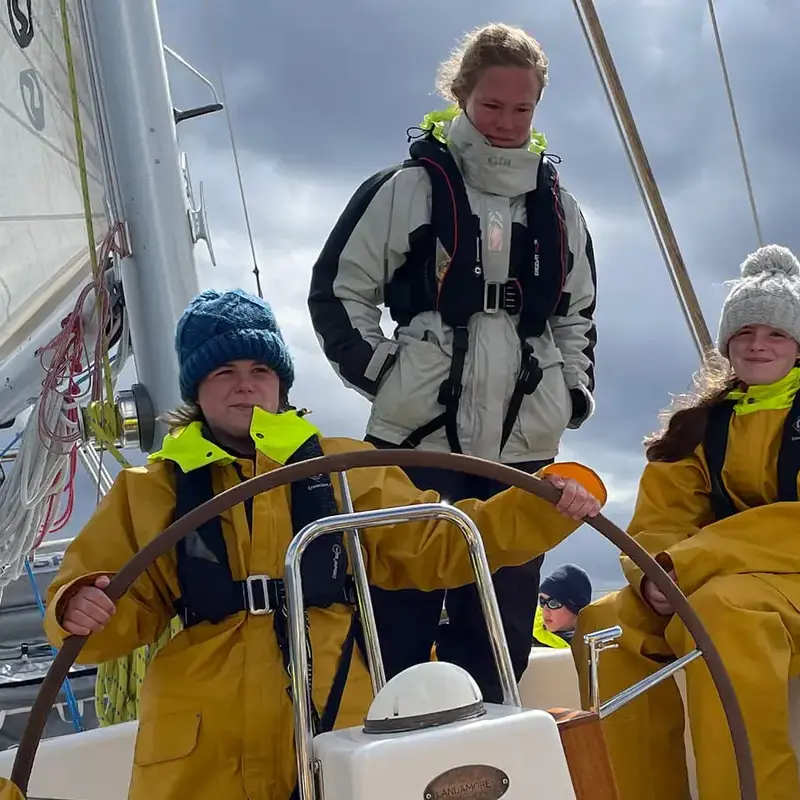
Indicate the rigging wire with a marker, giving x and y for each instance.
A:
(643, 174)
(629, 154)
(224, 98)
(737, 130)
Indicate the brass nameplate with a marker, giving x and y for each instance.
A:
(470, 782)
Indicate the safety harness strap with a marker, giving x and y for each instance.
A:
(715, 446)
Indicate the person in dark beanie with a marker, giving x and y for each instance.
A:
(217, 328)
(215, 718)
(563, 594)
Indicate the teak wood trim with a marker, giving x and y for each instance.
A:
(586, 753)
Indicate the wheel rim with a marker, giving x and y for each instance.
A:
(343, 462)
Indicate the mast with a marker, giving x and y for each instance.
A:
(643, 174)
(159, 277)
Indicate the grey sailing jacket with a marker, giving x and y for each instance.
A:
(401, 374)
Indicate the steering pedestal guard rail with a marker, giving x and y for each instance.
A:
(343, 462)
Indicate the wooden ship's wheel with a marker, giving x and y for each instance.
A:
(340, 463)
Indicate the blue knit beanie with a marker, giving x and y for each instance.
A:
(570, 585)
(219, 327)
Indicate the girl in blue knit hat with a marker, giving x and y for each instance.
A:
(216, 719)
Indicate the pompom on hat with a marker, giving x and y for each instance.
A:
(768, 293)
(220, 327)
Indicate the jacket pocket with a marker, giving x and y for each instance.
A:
(408, 395)
(544, 416)
(166, 737)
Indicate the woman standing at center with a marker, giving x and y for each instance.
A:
(485, 263)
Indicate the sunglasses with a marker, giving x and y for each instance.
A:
(549, 602)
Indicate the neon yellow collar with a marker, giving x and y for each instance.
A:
(438, 123)
(767, 396)
(277, 436)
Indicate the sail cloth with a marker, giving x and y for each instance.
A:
(44, 244)
(45, 262)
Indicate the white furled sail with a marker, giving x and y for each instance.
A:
(55, 242)
(44, 239)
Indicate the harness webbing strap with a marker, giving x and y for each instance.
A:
(715, 446)
(530, 375)
(327, 721)
(789, 454)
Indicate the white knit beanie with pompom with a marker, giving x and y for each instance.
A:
(768, 293)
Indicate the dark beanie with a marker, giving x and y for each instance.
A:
(569, 585)
(220, 327)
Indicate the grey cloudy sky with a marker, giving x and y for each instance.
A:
(321, 96)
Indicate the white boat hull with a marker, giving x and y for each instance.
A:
(94, 765)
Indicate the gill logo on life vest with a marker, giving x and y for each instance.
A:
(499, 161)
(318, 482)
(21, 22)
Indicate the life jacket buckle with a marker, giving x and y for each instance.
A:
(502, 296)
(492, 296)
(257, 597)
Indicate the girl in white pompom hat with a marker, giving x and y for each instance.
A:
(718, 509)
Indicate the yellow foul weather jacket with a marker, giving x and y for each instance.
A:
(673, 514)
(741, 574)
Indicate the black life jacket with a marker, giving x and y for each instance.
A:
(541, 263)
(715, 446)
(210, 594)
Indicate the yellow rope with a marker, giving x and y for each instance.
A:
(101, 417)
(119, 682)
(76, 120)
(106, 417)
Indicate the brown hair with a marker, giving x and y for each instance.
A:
(684, 422)
(185, 414)
(495, 45)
